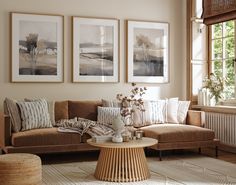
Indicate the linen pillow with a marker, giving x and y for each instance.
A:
(11, 109)
(140, 118)
(106, 115)
(182, 111)
(110, 103)
(34, 114)
(51, 109)
(172, 110)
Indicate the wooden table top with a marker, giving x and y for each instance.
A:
(140, 143)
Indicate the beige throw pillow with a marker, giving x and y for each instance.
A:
(141, 118)
(11, 108)
(110, 103)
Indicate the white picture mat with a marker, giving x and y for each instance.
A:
(16, 18)
(77, 21)
(152, 25)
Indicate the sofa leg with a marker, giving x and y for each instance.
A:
(160, 155)
(199, 150)
(216, 148)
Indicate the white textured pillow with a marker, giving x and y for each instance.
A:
(157, 111)
(182, 111)
(154, 113)
(34, 114)
(106, 115)
(172, 110)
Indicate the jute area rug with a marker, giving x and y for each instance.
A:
(194, 170)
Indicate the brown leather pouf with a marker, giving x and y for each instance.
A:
(20, 169)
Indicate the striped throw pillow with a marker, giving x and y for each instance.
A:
(106, 115)
(34, 114)
(157, 111)
(51, 109)
(154, 113)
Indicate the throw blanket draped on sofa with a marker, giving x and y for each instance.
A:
(81, 126)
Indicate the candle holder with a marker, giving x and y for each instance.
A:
(139, 134)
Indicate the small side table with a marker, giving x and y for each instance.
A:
(122, 162)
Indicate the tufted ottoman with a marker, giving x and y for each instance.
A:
(20, 169)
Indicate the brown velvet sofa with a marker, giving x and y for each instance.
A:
(48, 140)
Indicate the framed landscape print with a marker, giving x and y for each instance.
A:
(147, 52)
(95, 50)
(37, 47)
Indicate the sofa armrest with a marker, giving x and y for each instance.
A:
(196, 118)
(5, 130)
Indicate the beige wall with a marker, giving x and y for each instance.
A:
(172, 11)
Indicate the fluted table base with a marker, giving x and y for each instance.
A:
(122, 165)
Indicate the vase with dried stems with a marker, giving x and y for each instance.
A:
(132, 102)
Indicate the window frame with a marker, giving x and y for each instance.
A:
(222, 59)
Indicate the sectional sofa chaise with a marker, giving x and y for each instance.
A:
(49, 140)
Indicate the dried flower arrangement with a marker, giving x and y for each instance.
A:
(132, 102)
(215, 85)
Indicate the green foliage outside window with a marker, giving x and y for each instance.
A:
(223, 54)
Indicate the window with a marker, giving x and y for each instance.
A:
(223, 54)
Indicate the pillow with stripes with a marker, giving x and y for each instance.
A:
(106, 115)
(154, 113)
(34, 114)
(51, 109)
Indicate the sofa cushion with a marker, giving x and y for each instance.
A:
(45, 136)
(172, 110)
(51, 108)
(61, 110)
(34, 114)
(110, 103)
(11, 108)
(106, 115)
(83, 109)
(154, 113)
(165, 133)
(182, 111)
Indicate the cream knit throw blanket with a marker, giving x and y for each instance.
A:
(81, 126)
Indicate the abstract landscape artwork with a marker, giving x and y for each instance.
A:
(37, 48)
(147, 57)
(95, 50)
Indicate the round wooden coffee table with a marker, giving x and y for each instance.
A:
(122, 162)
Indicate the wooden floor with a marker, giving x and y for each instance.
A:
(91, 156)
(225, 156)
